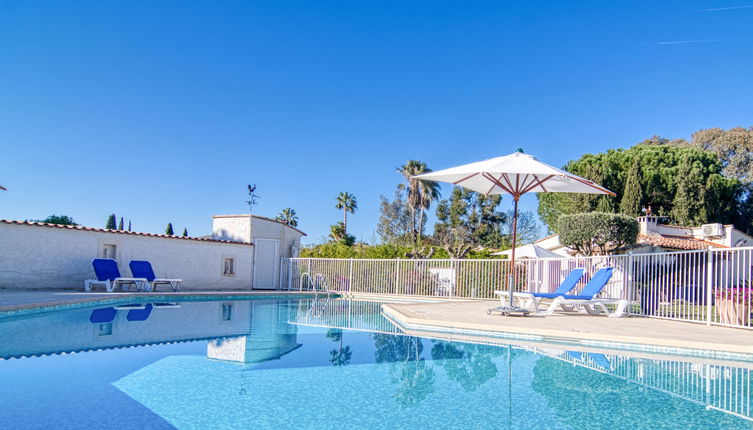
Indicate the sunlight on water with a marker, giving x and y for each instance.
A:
(334, 364)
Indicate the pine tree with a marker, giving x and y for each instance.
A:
(185, 232)
(129, 225)
(111, 220)
(120, 224)
(169, 229)
(630, 204)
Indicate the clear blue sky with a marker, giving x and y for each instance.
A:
(163, 111)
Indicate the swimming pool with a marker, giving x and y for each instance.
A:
(333, 364)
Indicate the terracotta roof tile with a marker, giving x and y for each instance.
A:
(104, 230)
(676, 242)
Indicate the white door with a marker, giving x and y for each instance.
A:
(266, 263)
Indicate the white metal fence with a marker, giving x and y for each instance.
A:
(713, 286)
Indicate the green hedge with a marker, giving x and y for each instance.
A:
(339, 250)
(597, 232)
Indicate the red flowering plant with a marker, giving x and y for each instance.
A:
(735, 294)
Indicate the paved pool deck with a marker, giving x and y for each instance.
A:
(470, 317)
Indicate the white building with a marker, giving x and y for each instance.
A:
(243, 253)
(655, 236)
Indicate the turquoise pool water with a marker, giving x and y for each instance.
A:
(337, 364)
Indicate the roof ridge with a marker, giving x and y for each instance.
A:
(107, 230)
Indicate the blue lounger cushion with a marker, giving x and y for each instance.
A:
(548, 295)
(142, 269)
(594, 286)
(105, 269)
(601, 360)
(104, 315)
(140, 314)
(566, 286)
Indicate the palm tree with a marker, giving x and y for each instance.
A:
(420, 193)
(288, 217)
(340, 356)
(347, 202)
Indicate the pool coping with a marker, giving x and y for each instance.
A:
(31, 308)
(424, 326)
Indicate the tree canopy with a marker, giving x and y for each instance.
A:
(597, 232)
(111, 222)
(394, 221)
(675, 179)
(420, 194)
(288, 216)
(734, 148)
(470, 218)
(57, 219)
(348, 203)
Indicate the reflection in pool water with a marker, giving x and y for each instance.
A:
(272, 364)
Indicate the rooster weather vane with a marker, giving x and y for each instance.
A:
(252, 198)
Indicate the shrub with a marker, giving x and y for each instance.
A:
(597, 232)
(339, 250)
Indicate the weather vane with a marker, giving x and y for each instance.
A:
(252, 198)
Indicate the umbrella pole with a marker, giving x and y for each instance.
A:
(511, 275)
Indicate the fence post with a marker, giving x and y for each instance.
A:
(629, 280)
(290, 273)
(350, 275)
(455, 276)
(709, 281)
(397, 274)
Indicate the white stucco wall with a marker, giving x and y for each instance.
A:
(231, 227)
(262, 228)
(33, 256)
(248, 228)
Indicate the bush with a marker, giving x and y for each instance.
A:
(57, 219)
(339, 250)
(597, 232)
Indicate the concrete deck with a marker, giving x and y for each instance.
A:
(570, 327)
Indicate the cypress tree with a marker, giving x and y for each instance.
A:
(630, 204)
(605, 204)
(129, 225)
(185, 232)
(120, 224)
(110, 222)
(688, 205)
(169, 229)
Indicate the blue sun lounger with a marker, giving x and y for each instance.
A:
(600, 360)
(102, 316)
(140, 314)
(532, 299)
(143, 269)
(108, 275)
(588, 298)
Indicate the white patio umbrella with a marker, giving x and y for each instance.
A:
(529, 251)
(515, 174)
